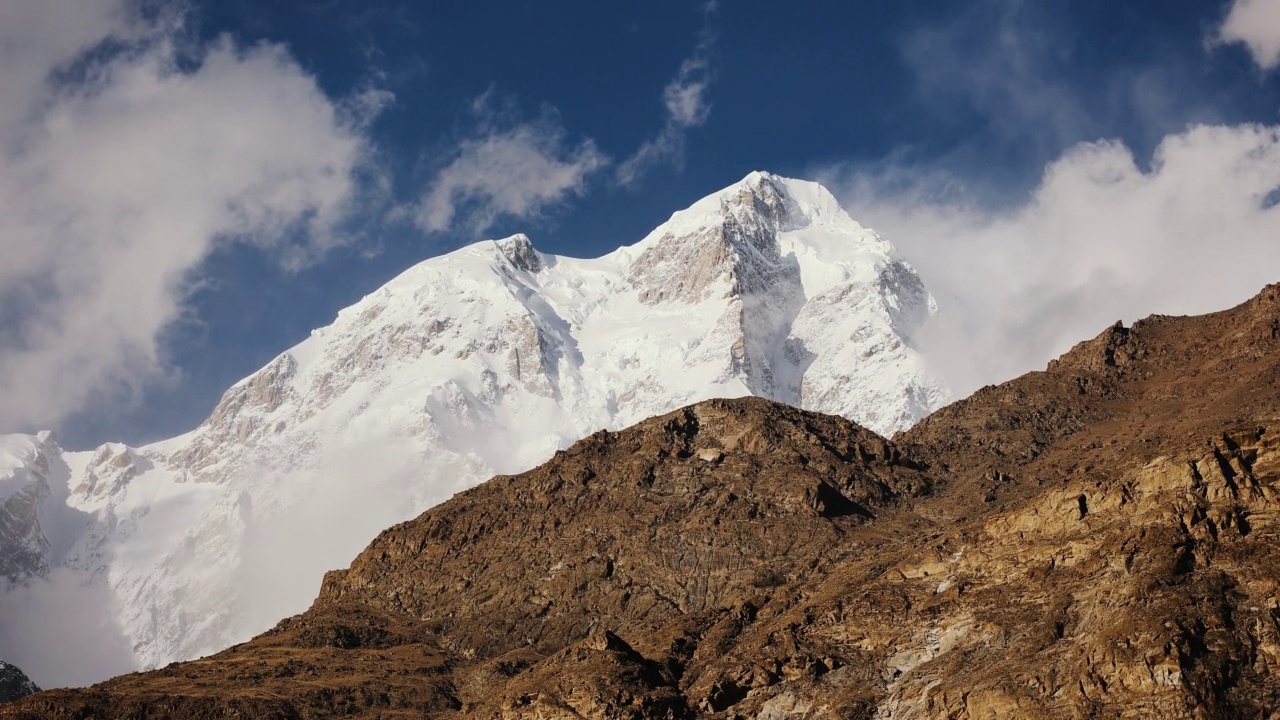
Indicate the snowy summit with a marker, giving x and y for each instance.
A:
(485, 360)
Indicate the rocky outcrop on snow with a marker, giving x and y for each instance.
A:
(486, 360)
(24, 465)
(14, 684)
(34, 486)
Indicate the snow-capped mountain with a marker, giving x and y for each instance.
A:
(485, 360)
(14, 684)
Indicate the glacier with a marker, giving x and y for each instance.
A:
(482, 361)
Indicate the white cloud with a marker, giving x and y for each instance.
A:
(118, 179)
(1100, 239)
(39, 35)
(685, 101)
(516, 171)
(1256, 24)
(685, 96)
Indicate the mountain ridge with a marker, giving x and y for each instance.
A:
(487, 360)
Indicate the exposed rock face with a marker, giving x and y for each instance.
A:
(14, 684)
(20, 532)
(1098, 540)
(33, 483)
(625, 529)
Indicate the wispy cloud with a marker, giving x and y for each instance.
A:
(507, 169)
(1255, 24)
(126, 163)
(686, 106)
(1010, 71)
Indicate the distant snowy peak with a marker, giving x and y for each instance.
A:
(754, 258)
(518, 250)
(733, 236)
(801, 276)
(786, 203)
(481, 361)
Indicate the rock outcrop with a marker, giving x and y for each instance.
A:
(1097, 540)
(14, 684)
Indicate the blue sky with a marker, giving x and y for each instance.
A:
(968, 102)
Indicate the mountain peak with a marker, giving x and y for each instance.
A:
(785, 202)
(755, 232)
(519, 251)
(489, 359)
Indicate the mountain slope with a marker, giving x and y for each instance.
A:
(37, 525)
(485, 360)
(24, 488)
(1092, 541)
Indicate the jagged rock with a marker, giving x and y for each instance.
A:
(14, 684)
(32, 485)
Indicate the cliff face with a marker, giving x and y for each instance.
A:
(31, 473)
(14, 684)
(1093, 541)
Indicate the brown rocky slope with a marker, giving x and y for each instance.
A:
(1099, 540)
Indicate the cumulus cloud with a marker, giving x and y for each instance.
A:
(1103, 237)
(36, 37)
(128, 157)
(515, 170)
(1255, 24)
(686, 106)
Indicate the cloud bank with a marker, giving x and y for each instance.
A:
(1256, 25)
(129, 156)
(61, 631)
(1103, 237)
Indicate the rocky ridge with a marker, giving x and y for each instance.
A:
(1092, 541)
